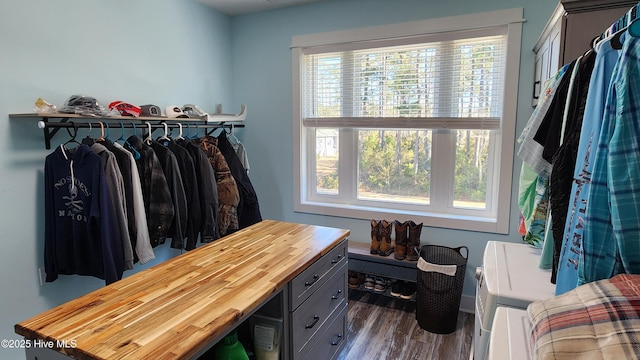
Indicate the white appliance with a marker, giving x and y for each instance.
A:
(509, 277)
(510, 335)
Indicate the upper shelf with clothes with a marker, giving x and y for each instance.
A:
(52, 122)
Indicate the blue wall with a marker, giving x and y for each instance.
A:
(175, 52)
(162, 52)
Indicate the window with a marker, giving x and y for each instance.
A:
(409, 121)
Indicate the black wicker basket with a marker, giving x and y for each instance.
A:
(440, 288)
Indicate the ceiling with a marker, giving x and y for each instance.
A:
(240, 7)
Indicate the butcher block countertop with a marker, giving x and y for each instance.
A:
(175, 309)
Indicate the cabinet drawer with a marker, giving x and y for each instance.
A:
(332, 340)
(315, 275)
(316, 312)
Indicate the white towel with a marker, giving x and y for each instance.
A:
(442, 269)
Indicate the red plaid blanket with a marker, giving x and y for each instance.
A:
(599, 320)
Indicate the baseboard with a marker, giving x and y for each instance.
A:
(468, 304)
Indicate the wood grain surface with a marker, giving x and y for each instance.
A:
(383, 327)
(176, 308)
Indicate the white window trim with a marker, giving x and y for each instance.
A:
(500, 224)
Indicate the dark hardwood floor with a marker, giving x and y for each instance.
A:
(382, 327)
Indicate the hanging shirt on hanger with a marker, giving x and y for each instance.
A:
(115, 184)
(122, 160)
(248, 206)
(191, 191)
(81, 234)
(142, 243)
(571, 250)
(207, 190)
(530, 151)
(169, 163)
(612, 230)
(158, 205)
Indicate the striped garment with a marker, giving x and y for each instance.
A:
(599, 320)
(611, 243)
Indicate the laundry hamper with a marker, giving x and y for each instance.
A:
(441, 272)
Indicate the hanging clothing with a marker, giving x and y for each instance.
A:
(248, 206)
(548, 133)
(158, 205)
(207, 190)
(240, 150)
(611, 243)
(605, 61)
(169, 163)
(122, 161)
(538, 216)
(534, 175)
(564, 159)
(552, 141)
(191, 191)
(228, 197)
(530, 151)
(81, 234)
(115, 184)
(142, 243)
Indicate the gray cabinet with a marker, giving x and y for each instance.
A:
(570, 33)
(318, 307)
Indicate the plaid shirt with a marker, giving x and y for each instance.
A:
(612, 230)
(155, 192)
(598, 320)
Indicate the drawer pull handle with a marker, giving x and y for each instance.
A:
(338, 340)
(335, 297)
(315, 321)
(335, 261)
(309, 283)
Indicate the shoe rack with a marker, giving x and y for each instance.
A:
(388, 267)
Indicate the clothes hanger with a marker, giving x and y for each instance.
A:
(180, 137)
(165, 137)
(233, 135)
(88, 140)
(106, 137)
(73, 136)
(127, 145)
(148, 139)
(628, 21)
(101, 138)
(121, 138)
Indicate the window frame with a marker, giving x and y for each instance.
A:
(304, 142)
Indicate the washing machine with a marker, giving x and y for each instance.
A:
(509, 277)
(509, 338)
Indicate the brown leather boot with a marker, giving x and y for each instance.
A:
(413, 244)
(386, 245)
(375, 237)
(400, 251)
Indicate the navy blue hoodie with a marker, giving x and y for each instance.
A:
(81, 234)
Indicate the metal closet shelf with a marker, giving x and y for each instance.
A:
(51, 123)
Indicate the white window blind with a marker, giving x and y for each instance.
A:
(453, 80)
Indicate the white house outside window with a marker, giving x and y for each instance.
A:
(409, 121)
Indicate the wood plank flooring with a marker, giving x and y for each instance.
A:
(384, 328)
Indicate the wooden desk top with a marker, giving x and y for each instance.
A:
(176, 308)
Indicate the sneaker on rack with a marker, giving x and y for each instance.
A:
(369, 282)
(408, 291)
(380, 285)
(396, 288)
(356, 279)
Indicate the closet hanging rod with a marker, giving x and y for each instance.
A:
(55, 126)
(141, 124)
